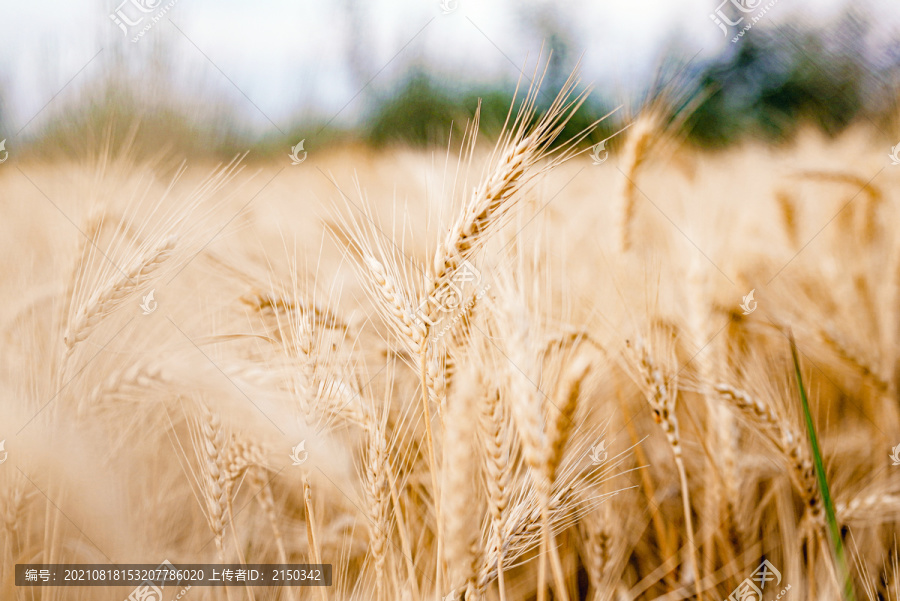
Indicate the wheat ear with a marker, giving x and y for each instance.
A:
(857, 359)
(637, 146)
(461, 538)
(662, 396)
(377, 498)
(498, 475)
(402, 530)
(520, 149)
(787, 206)
(866, 224)
(528, 416)
(525, 408)
(398, 308)
(247, 458)
(413, 333)
(597, 532)
(863, 508)
(459, 337)
(108, 298)
(562, 413)
(595, 546)
(215, 480)
(786, 439)
(524, 525)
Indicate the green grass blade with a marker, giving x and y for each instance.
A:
(834, 532)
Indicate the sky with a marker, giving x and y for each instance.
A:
(271, 59)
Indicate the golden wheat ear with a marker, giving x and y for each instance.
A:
(107, 299)
(659, 385)
(515, 162)
(524, 151)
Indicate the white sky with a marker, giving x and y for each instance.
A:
(287, 54)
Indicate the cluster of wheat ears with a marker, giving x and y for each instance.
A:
(432, 438)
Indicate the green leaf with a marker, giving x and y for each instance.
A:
(834, 531)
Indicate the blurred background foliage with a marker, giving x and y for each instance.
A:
(766, 86)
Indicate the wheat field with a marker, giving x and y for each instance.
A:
(501, 370)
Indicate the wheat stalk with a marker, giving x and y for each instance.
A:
(312, 539)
